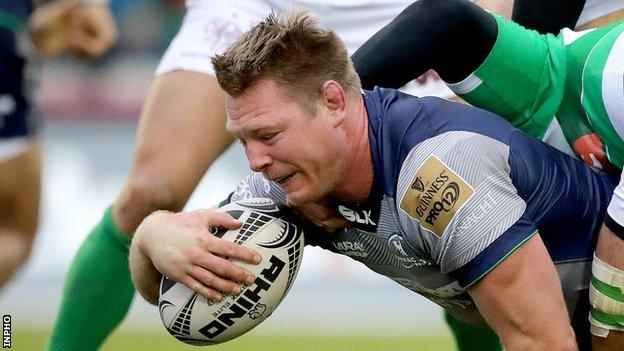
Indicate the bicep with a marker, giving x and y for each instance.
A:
(522, 300)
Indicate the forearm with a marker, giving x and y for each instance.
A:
(521, 299)
(453, 37)
(520, 331)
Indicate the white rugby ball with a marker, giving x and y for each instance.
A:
(278, 238)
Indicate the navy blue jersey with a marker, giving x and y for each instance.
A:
(17, 116)
(457, 189)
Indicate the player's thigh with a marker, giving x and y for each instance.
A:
(20, 187)
(181, 132)
(182, 124)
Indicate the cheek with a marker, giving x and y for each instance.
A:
(329, 153)
(316, 148)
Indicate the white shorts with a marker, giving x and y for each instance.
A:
(209, 27)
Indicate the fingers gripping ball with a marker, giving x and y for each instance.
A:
(274, 234)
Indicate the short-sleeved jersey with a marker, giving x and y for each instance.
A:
(457, 189)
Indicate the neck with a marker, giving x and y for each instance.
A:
(357, 179)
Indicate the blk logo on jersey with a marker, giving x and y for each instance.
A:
(361, 217)
(435, 195)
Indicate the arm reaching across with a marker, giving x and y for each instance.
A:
(180, 246)
(522, 300)
(416, 41)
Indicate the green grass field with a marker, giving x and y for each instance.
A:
(34, 340)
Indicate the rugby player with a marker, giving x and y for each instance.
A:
(86, 30)
(475, 199)
(173, 150)
(183, 103)
(566, 90)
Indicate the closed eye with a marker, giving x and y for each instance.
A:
(268, 136)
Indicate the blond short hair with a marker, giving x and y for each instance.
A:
(290, 49)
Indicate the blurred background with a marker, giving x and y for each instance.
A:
(90, 112)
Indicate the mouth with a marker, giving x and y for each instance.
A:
(283, 180)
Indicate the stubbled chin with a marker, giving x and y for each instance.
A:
(297, 197)
(301, 197)
(292, 200)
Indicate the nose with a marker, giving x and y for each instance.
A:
(257, 156)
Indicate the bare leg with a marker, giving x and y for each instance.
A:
(20, 188)
(182, 131)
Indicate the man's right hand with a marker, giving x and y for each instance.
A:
(181, 247)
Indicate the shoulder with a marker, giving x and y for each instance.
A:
(403, 125)
(442, 173)
(405, 120)
(449, 194)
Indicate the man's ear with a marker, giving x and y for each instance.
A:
(335, 100)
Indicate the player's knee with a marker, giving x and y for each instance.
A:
(141, 197)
